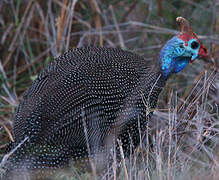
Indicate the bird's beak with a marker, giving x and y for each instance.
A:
(202, 54)
(195, 56)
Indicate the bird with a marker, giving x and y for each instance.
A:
(90, 97)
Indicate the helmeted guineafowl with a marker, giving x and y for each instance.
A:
(86, 99)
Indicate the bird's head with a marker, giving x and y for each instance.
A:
(182, 49)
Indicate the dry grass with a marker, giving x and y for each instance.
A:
(182, 138)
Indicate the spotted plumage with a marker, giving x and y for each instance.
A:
(84, 101)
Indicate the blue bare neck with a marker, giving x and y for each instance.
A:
(171, 59)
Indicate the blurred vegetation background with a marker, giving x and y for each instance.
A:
(184, 128)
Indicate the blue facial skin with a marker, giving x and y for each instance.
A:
(175, 55)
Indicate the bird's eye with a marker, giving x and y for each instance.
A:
(194, 45)
(181, 46)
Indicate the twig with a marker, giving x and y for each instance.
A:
(5, 158)
(214, 29)
(51, 23)
(130, 9)
(8, 131)
(123, 159)
(70, 24)
(159, 7)
(189, 93)
(197, 5)
(5, 34)
(88, 145)
(122, 44)
(12, 45)
(34, 60)
(61, 23)
(96, 11)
